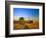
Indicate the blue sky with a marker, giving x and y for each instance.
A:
(25, 12)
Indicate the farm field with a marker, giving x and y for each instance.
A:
(26, 25)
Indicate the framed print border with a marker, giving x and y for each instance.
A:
(7, 18)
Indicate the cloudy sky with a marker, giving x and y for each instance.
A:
(26, 12)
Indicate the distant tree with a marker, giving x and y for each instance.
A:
(21, 20)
